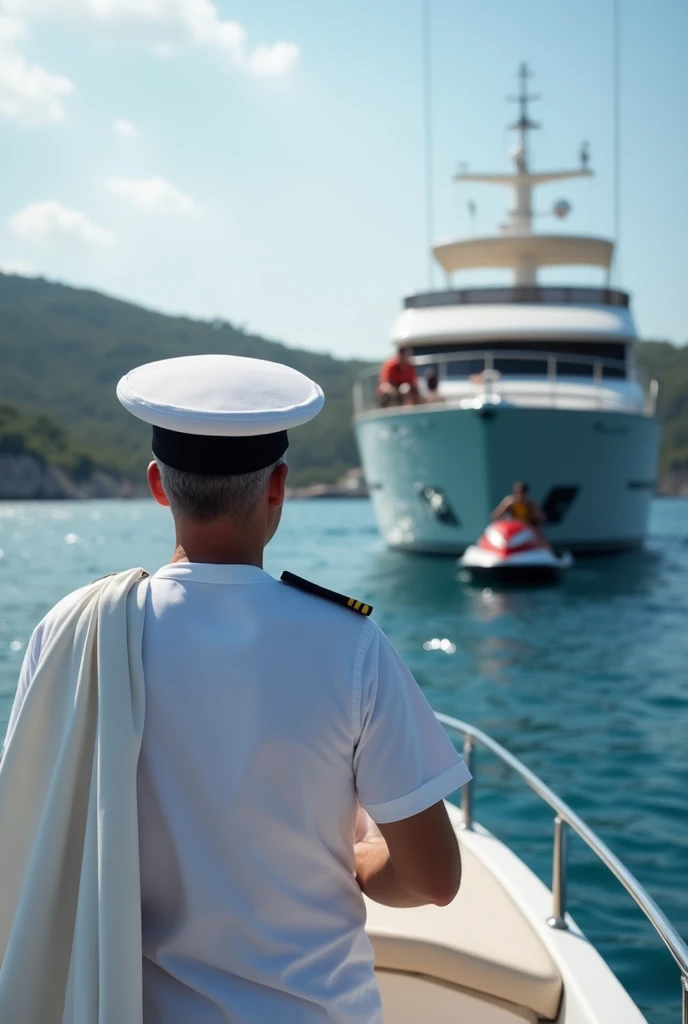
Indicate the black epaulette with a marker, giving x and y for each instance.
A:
(330, 595)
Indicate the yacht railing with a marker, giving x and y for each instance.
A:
(495, 373)
(530, 294)
(565, 817)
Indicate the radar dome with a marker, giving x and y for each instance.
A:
(517, 152)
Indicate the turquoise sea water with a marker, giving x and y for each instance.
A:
(586, 683)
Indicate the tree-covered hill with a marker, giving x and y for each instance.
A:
(668, 364)
(62, 351)
(37, 435)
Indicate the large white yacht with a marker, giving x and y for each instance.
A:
(536, 383)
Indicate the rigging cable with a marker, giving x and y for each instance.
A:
(616, 63)
(427, 132)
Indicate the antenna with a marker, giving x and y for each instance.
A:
(524, 124)
(427, 124)
(472, 213)
(616, 63)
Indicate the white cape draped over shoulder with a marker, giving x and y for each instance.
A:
(70, 894)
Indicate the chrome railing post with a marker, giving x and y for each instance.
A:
(559, 875)
(467, 790)
(489, 373)
(684, 999)
(651, 404)
(552, 377)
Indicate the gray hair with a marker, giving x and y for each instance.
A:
(202, 498)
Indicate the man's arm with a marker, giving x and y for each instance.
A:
(538, 515)
(503, 507)
(410, 863)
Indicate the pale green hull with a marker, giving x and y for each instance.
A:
(435, 474)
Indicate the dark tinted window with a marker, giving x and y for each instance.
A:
(520, 364)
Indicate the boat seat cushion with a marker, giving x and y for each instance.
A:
(481, 941)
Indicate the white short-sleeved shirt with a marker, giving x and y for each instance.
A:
(270, 714)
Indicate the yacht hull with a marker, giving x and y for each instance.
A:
(435, 473)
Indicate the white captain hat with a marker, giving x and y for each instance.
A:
(219, 414)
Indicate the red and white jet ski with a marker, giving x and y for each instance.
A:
(511, 552)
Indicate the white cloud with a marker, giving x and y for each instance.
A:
(54, 223)
(11, 28)
(273, 61)
(181, 21)
(124, 128)
(153, 194)
(28, 92)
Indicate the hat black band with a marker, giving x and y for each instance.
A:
(218, 456)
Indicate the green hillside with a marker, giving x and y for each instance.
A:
(62, 351)
(28, 433)
(668, 364)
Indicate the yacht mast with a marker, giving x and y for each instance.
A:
(521, 217)
(522, 180)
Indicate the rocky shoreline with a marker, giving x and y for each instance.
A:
(27, 477)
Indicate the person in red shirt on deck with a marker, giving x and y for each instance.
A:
(398, 381)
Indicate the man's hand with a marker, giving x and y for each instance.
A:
(538, 515)
(408, 863)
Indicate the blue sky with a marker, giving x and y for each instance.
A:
(263, 161)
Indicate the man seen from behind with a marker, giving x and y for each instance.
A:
(289, 761)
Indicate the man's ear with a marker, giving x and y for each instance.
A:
(155, 484)
(277, 483)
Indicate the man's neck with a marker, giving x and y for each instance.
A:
(218, 543)
(216, 557)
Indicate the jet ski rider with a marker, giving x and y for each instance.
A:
(518, 505)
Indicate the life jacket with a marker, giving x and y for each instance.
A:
(522, 510)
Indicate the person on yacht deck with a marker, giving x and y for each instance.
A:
(289, 762)
(518, 505)
(398, 383)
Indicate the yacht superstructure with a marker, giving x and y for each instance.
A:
(536, 382)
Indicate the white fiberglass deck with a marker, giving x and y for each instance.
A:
(505, 951)
(564, 393)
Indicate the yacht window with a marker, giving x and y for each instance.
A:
(515, 367)
(464, 367)
(528, 359)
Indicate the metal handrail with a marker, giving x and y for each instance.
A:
(489, 356)
(564, 815)
(530, 294)
(527, 354)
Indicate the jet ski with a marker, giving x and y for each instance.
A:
(510, 551)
